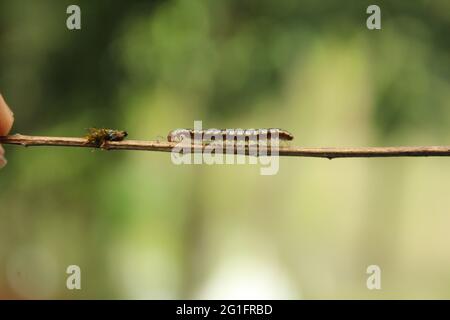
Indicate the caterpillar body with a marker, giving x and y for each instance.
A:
(229, 135)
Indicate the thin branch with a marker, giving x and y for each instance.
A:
(164, 146)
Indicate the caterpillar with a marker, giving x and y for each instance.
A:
(227, 135)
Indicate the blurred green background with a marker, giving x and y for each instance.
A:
(142, 227)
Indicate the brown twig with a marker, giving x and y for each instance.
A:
(164, 146)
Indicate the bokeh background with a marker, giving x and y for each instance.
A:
(141, 227)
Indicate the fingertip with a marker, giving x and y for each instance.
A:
(3, 160)
(6, 117)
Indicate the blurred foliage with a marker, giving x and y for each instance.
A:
(141, 227)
